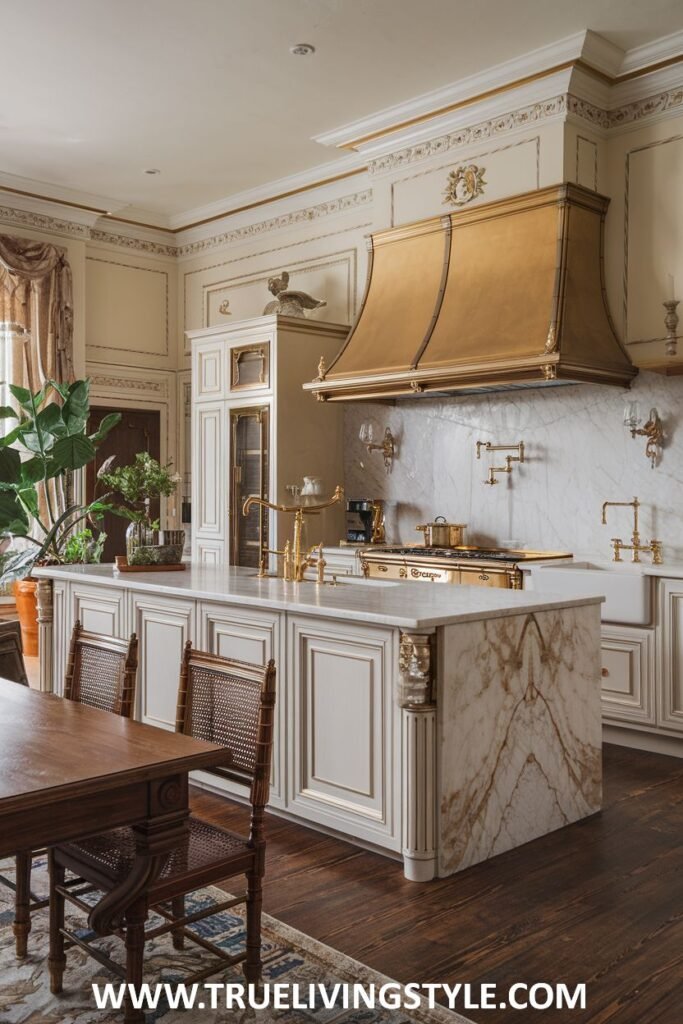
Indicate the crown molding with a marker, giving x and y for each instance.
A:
(38, 220)
(507, 75)
(293, 218)
(272, 192)
(641, 57)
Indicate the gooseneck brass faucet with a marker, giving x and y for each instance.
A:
(635, 547)
(295, 562)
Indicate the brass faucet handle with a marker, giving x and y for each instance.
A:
(656, 548)
(617, 544)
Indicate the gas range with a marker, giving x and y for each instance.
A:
(474, 566)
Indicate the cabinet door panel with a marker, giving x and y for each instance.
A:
(671, 655)
(255, 636)
(209, 552)
(99, 609)
(163, 626)
(209, 370)
(628, 675)
(346, 746)
(208, 448)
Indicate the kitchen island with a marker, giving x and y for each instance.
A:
(439, 725)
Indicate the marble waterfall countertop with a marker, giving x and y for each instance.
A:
(410, 606)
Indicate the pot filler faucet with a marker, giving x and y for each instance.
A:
(635, 547)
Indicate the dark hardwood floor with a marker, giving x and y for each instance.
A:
(599, 902)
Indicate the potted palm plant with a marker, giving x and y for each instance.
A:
(139, 484)
(46, 443)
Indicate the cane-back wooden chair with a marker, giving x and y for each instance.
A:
(221, 701)
(12, 653)
(101, 671)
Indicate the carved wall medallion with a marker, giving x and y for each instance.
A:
(464, 184)
(224, 308)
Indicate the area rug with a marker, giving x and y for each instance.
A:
(290, 957)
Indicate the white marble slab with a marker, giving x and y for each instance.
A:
(520, 751)
(410, 606)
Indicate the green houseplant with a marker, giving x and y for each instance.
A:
(46, 443)
(138, 484)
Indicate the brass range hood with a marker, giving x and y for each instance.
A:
(506, 294)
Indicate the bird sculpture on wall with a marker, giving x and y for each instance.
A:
(289, 303)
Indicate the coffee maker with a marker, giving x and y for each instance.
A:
(365, 521)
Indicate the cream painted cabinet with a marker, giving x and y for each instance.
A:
(255, 431)
(671, 655)
(163, 626)
(628, 675)
(247, 634)
(345, 729)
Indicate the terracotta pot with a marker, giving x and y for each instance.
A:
(27, 610)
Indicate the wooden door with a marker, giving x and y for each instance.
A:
(138, 431)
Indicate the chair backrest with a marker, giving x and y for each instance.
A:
(102, 671)
(11, 653)
(232, 703)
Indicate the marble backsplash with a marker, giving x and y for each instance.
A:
(578, 454)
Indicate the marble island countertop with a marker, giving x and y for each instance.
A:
(410, 606)
(668, 569)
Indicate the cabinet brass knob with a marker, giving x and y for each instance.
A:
(605, 673)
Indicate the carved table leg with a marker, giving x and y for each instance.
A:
(163, 830)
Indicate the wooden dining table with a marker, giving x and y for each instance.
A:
(68, 771)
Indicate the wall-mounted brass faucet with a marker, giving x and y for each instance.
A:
(295, 561)
(635, 547)
(509, 459)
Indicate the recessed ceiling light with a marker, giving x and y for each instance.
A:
(302, 49)
(152, 170)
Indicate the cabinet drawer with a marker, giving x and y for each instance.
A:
(628, 658)
(484, 578)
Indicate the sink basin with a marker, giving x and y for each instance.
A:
(626, 588)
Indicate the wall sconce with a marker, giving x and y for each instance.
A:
(652, 430)
(509, 459)
(387, 447)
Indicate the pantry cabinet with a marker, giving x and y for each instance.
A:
(255, 432)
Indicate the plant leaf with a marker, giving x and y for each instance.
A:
(50, 419)
(106, 466)
(33, 470)
(10, 466)
(73, 452)
(61, 389)
(13, 518)
(22, 395)
(18, 565)
(77, 404)
(107, 423)
(7, 412)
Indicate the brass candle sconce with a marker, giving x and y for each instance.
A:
(387, 446)
(652, 429)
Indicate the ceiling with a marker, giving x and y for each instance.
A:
(208, 92)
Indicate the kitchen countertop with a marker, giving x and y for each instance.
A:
(669, 570)
(410, 606)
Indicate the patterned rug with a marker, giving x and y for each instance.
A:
(290, 957)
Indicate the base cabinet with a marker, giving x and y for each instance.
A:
(671, 656)
(628, 675)
(255, 636)
(163, 626)
(345, 729)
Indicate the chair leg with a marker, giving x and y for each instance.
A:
(22, 904)
(252, 964)
(56, 960)
(178, 910)
(136, 915)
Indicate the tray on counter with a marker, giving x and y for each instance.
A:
(122, 566)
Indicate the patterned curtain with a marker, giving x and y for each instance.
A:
(36, 297)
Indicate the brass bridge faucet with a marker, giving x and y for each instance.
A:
(635, 547)
(295, 561)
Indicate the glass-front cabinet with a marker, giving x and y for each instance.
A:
(249, 475)
(255, 432)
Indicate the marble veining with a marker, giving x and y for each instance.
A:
(578, 454)
(520, 735)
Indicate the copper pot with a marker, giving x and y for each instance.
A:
(441, 534)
